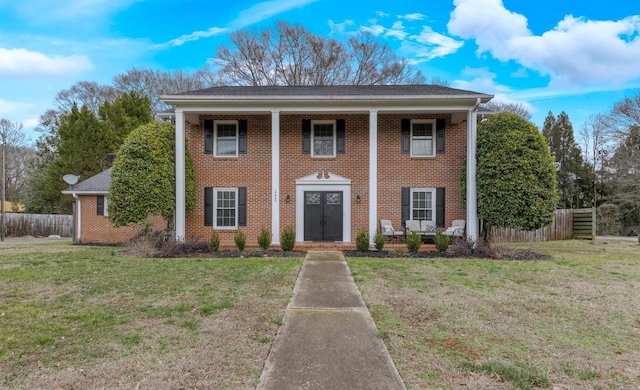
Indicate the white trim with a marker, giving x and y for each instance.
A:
(472, 200)
(78, 217)
(215, 137)
(275, 177)
(433, 137)
(373, 174)
(332, 183)
(105, 211)
(313, 135)
(215, 208)
(180, 213)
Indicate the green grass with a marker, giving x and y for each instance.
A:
(522, 375)
(568, 320)
(69, 308)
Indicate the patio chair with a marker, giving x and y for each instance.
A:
(389, 232)
(456, 229)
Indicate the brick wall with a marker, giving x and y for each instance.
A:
(97, 229)
(397, 170)
(253, 170)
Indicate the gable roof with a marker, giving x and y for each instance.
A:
(96, 184)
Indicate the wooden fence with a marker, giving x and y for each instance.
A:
(38, 225)
(560, 229)
(583, 223)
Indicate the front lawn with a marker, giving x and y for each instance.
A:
(83, 317)
(568, 323)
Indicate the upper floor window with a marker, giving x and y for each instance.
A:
(423, 138)
(323, 138)
(226, 138)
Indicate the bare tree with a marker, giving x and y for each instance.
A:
(290, 55)
(153, 83)
(15, 156)
(516, 108)
(85, 93)
(625, 115)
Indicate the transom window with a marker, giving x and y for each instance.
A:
(422, 204)
(323, 138)
(226, 138)
(423, 138)
(226, 204)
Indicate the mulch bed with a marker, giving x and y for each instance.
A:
(512, 255)
(229, 254)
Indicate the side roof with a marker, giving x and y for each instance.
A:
(97, 184)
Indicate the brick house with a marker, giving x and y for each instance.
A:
(325, 160)
(91, 218)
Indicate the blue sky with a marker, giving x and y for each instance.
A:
(577, 56)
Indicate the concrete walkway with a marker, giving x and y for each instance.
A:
(328, 340)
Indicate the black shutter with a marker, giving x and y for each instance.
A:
(242, 206)
(340, 136)
(440, 200)
(406, 136)
(406, 204)
(306, 136)
(242, 136)
(208, 206)
(208, 136)
(440, 134)
(100, 204)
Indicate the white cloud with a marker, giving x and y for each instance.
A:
(7, 108)
(194, 36)
(576, 51)
(433, 45)
(25, 63)
(266, 10)
(339, 28)
(396, 31)
(382, 14)
(482, 80)
(414, 16)
(374, 28)
(254, 14)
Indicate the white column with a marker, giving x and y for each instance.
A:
(275, 177)
(472, 195)
(373, 173)
(180, 213)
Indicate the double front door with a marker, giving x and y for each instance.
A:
(323, 215)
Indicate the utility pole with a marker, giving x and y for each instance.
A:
(2, 225)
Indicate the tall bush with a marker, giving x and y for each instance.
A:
(516, 175)
(414, 241)
(287, 239)
(264, 239)
(240, 239)
(378, 239)
(362, 241)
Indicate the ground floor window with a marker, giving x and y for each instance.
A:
(422, 204)
(226, 204)
(101, 205)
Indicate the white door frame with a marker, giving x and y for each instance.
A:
(324, 182)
